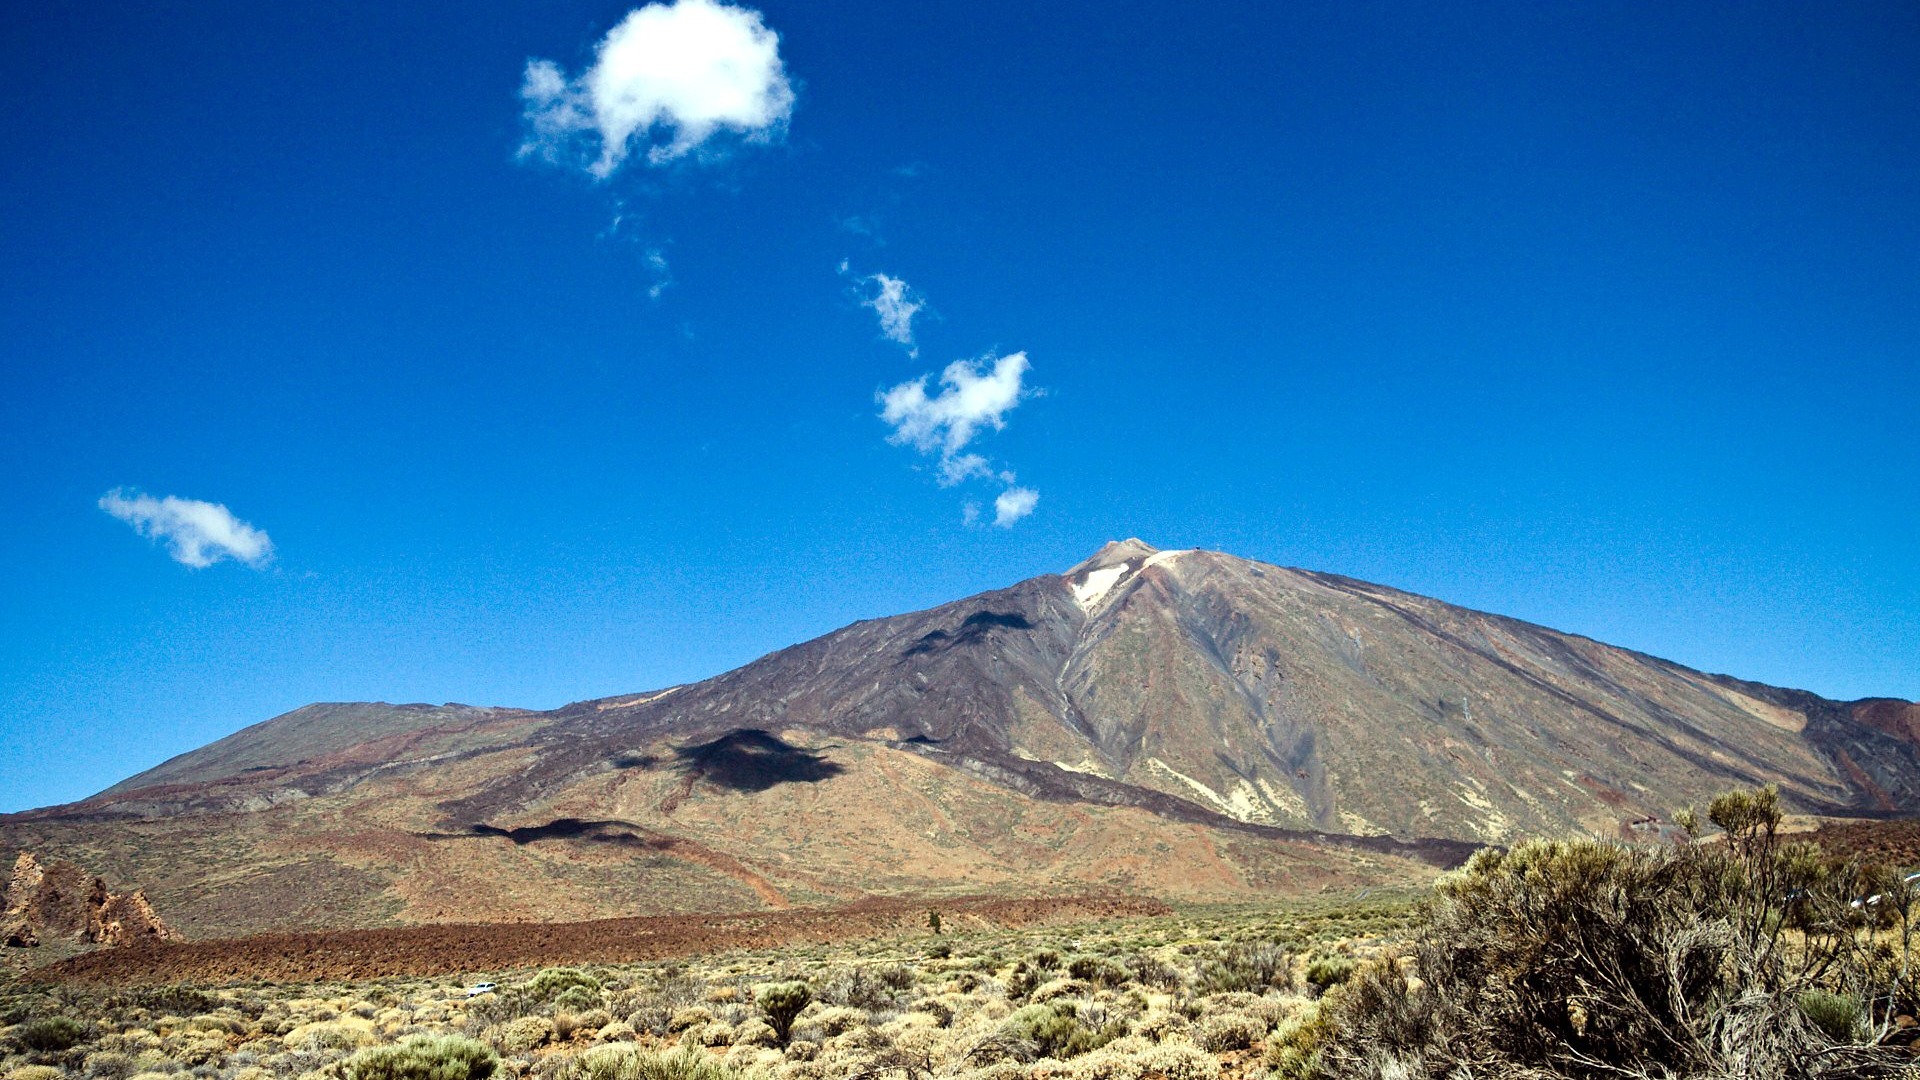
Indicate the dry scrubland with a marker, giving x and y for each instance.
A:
(1188, 997)
(1739, 957)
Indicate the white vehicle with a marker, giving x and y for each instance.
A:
(1869, 901)
(481, 988)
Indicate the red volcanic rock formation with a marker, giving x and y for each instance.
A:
(59, 899)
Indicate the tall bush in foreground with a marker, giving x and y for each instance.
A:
(1585, 959)
(780, 1003)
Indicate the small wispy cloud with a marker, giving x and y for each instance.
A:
(895, 302)
(973, 397)
(197, 533)
(662, 274)
(865, 225)
(891, 299)
(1014, 504)
(668, 80)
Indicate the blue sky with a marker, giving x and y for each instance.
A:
(1607, 319)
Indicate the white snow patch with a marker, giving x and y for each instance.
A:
(1159, 557)
(1098, 582)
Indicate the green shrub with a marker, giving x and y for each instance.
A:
(1097, 970)
(1328, 971)
(522, 1035)
(578, 998)
(51, 1034)
(549, 985)
(1293, 1049)
(424, 1057)
(1582, 958)
(1055, 1030)
(780, 1003)
(1838, 1016)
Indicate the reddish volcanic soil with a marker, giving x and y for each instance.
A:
(476, 947)
(1895, 843)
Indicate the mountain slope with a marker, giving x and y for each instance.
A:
(1186, 723)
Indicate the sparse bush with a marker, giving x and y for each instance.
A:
(837, 1020)
(1249, 966)
(109, 1065)
(627, 1061)
(780, 1003)
(549, 985)
(51, 1034)
(173, 1000)
(1060, 988)
(898, 977)
(757, 1032)
(1327, 971)
(1097, 970)
(36, 1072)
(856, 987)
(689, 1018)
(1151, 970)
(1228, 1031)
(1178, 1061)
(1587, 959)
(578, 999)
(424, 1057)
(522, 1035)
(941, 1011)
(334, 1035)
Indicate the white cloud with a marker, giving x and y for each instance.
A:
(895, 302)
(668, 78)
(975, 396)
(662, 274)
(1014, 504)
(197, 533)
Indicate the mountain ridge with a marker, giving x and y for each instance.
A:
(1180, 721)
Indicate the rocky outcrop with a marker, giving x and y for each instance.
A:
(58, 899)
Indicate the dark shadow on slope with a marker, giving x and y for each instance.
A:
(753, 760)
(616, 833)
(973, 629)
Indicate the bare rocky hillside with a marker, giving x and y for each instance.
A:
(1179, 723)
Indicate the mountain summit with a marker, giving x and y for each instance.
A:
(1182, 722)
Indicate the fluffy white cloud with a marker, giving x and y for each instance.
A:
(973, 396)
(895, 302)
(197, 533)
(687, 71)
(1014, 504)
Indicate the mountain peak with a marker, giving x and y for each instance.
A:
(1113, 553)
